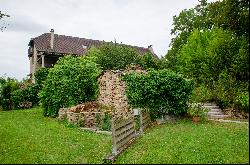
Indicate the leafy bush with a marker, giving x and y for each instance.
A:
(73, 80)
(218, 59)
(114, 56)
(40, 76)
(196, 110)
(201, 93)
(105, 123)
(160, 91)
(242, 101)
(7, 86)
(26, 97)
(148, 61)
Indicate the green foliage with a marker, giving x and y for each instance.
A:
(148, 61)
(7, 86)
(26, 97)
(196, 110)
(217, 59)
(232, 15)
(201, 93)
(160, 91)
(114, 56)
(40, 76)
(73, 80)
(105, 123)
(207, 54)
(242, 101)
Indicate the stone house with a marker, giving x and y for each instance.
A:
(45, 49)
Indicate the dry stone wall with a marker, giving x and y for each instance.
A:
(112, 90)
(112, 100)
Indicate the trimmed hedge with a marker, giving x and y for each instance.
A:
(162, 92)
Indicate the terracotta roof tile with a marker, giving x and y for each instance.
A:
(71, 45)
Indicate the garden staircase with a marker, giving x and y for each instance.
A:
(214, 113)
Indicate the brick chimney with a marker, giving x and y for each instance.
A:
(51, 38)
(150, 48)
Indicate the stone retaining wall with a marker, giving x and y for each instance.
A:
(84, 119)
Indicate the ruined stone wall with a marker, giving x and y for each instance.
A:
(112, 90)
(111, 100)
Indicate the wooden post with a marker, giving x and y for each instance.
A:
(114, 147)
(31, 64)
(42, 60)
(34, 64)
(140, 113)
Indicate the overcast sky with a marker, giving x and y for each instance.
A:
(133, 22)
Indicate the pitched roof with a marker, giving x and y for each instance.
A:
(71, 45)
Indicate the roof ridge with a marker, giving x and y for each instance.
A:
(91, 40)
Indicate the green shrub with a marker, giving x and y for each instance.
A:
(148, 61)
(242, 101)
(7, 86)
(201, 94)
(26, 97)
(196, 110)
(40, 76)
(160, 91)
(219, 60)
(71, 81)
(113, 56)
(106, 122)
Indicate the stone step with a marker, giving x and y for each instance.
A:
(211, 106)
(215, 113)
(215, 110)
(218, 116)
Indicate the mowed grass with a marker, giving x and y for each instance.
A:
(28, 137)
(186, 143)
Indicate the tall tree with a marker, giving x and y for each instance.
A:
(230, 15)
(184, 23)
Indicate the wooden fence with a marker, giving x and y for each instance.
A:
(144, 121)
(123, 133)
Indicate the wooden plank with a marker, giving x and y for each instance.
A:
(123, 136)
(111, 158)
(114, 147)
(126, 140)
(124, 129)
(147, 122)
(144, 116)
(125, 125)
(121, 123)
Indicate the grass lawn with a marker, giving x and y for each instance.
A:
(186, 143)
(28, 137)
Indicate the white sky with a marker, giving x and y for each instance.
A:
(133, 22)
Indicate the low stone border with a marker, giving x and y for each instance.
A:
(229, 121)
(96, 131)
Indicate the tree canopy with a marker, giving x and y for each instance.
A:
(232, 15)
